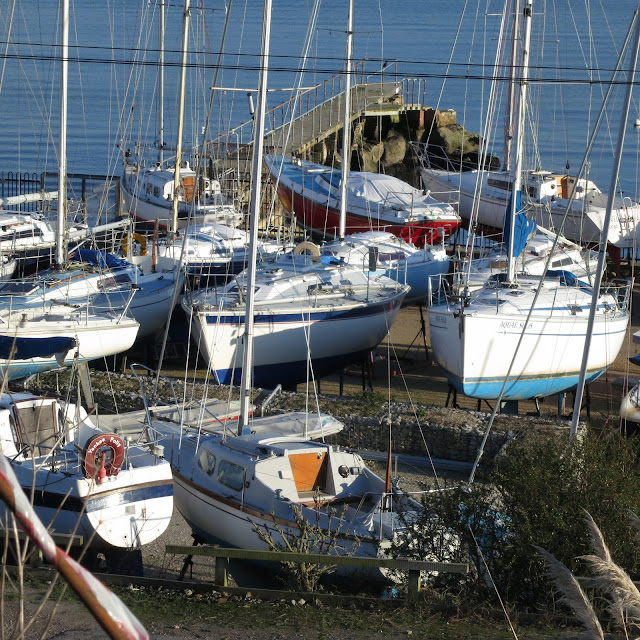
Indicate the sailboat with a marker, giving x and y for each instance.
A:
(59, 336)
(82, 480)
(102, 282)
(572, 204)
(548, 197)
(148, 193)
(394, 258)
(213, 253)
(542, 248)
(171, 193)
(98, 280)
(31, 238)
(228, 486)
(374, 202)
(522, 337)
(310, 318)
(313, 315)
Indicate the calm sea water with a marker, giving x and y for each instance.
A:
(113, 71)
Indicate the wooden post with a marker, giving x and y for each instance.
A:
(413, 586)
(222, 571)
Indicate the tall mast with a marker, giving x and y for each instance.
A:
(160, 104)
(511, 91)
(62, 157)
(604, 234)
(346, 129)
(183, 79)
(522, 100)
(254, 212)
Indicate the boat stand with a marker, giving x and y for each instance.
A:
(586, 402)
(367, 372)
(452, 395)
(367, 375)
(188, 561)
(422, 333)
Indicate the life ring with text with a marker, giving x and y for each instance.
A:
(135, 237)
(103, 456)
(308, 247)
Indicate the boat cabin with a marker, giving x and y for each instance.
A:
(544, 187)
(294, 470)
(158, 186)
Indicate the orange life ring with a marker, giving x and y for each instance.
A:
(103, 456)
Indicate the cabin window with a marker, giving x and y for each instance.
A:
(156, 192)
(207, 462)
(562, 263)
(231, 475)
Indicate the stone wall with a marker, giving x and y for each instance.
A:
(447, 434)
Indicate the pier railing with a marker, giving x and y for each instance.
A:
(308, 102)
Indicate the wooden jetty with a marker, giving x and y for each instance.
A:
(300, 135)
(314, 114)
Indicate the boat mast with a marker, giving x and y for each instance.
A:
(346, 128)
(183, 78)
(62, 157)
(160, 104)
(517, 178)
(577, 405)
(254, 212)
(511, 92)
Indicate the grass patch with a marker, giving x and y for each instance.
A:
(157, 608)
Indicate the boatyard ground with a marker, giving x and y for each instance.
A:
(402, 371)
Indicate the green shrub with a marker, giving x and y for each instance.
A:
(536, 493)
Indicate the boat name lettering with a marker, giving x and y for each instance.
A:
(439, 318)
(513, 324)
(96, 445)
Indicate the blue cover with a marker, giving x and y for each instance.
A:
(27, 348)
(524, 227)
(568, 279)
(100, 259)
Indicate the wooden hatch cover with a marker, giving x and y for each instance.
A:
(309, 470)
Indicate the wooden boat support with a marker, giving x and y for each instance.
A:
(222, 556)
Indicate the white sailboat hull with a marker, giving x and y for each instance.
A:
(236, 527)
(132, 510)
(96, 336)
(283, 339)
(476, 348)
(47, 446)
